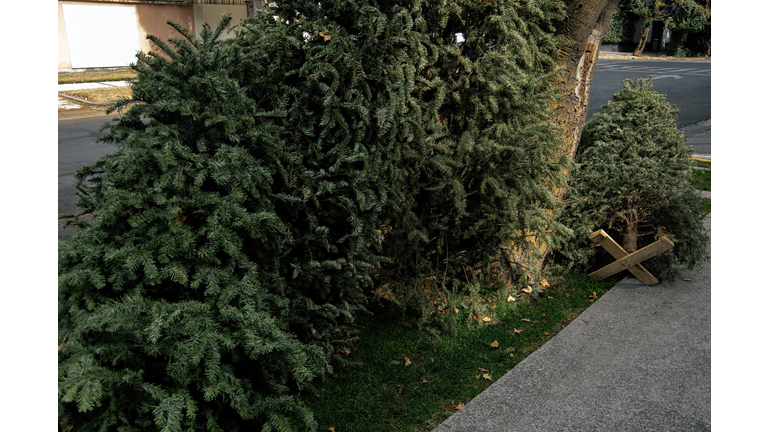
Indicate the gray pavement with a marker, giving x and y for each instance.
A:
(638, 359)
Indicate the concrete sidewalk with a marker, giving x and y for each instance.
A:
(638, 359)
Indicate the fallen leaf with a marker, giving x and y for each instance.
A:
(62, 342)
(493, 307)
(424, 381)
(459, 406)
(486, 376)
(441, 311)
(550, 297)
(525, 320)
(180, 217)
(518, 331)
(510, 298)
(487, 319)
(544, 283)
(528, 289)
(456, 309)
(511, 355)
(546, 333)
(484, 370)
(384, 292)
(326, 38)
(331, 429)
(686, 279)
(585, 322)
(494, 344)
(407, 361)
(402, 388)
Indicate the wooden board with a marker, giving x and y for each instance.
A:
(628, 261)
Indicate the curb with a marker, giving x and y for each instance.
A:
(642, 57)
(76, 99)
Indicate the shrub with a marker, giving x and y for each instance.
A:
(634, 181)
(236, 227)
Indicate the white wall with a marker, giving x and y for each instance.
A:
(101, 36)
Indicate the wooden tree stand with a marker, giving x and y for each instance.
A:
(626, 260)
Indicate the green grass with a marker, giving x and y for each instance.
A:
(702, 179)
(445, 368)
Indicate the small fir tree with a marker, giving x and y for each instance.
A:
(634, 181)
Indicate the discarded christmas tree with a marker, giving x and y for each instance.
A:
(236, 227)
(492, 156)
(634, 181)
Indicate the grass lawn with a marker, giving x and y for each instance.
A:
(412, 379)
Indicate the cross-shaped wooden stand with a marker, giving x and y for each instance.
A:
(626, 260)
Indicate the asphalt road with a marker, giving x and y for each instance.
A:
(77, 148)
(687, 84)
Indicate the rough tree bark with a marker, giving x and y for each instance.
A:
(251, 6)
(643, 37)
(585, 27)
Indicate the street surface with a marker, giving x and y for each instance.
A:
(77, 148)
(687, 84)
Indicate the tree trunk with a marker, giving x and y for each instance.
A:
(251, 6)
(629, 237)
(585, 26)
(643, 37)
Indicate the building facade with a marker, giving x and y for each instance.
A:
(109, 33)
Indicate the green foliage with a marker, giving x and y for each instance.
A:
(235, 229)
(622, 27)
(490, 160)
(635, 174)
(264, 179)
(690, 17)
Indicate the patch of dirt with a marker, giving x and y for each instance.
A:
(96, 77)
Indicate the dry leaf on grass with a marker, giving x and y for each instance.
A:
(517, 331)
(528, 289)
(331, 429)
(486, 376)
(487, 319)
(545, 283)
(459, 406)
(407, 361)
(510, 299)
(525, 320)
(483, 370)
(494, 344)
